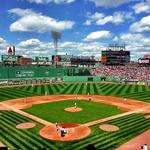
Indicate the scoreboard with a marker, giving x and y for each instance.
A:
(115, 57)
(83, 60)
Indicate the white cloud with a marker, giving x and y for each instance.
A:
(138, 49)
(31, 43)
(34, 44)
(115, 39)
(35, 47)
(3, 46)
(141, 26)
(87, 23)
(135, 38)
(98, 35)
(101, 19)
(22, 12)
(69, 45)
(2, 41)
(31, 21)
(51, 1)
(110, 3)
(83, 48)
(143, 7)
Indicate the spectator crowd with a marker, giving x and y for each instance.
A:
(123, 72)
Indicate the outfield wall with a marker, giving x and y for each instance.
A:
(47, 74)
(89, 79)
(25, 72)
(81, 79)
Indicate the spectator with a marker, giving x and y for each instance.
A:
(123, 72)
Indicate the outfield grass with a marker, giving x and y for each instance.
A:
(139, 92)
(54, 112)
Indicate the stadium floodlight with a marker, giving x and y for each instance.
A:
(56, 36)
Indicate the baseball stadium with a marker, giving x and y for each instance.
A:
(75, 102)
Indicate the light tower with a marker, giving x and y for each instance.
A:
(56, 36)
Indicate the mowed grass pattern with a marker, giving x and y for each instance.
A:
(54, 112)
(139, 92)
(21, 139)
(130, 126)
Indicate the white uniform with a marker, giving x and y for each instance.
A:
(75, 105)
(125, 100)
(46, 93)
(145, 147)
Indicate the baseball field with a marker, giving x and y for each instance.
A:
(48, 103)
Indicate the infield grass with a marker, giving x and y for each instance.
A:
(54, 112)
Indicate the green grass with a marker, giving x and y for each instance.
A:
(54, 112)
(21, 139)
(139, 92)
(130, 126)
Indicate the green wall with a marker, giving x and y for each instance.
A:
(81, 78)
(22, 72)
(31, 72)
(69, 74)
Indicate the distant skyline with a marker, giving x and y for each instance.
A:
(87, 26)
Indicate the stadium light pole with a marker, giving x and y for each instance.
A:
(56, 36)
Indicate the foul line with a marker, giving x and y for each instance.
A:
(27, 114)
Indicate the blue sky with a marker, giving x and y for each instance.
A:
(87, 26)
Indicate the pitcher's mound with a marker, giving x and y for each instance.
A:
(108, 127)
(74, 132)
(26, 125)
(73, 109)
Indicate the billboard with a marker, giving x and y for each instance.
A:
(65, 58)
(41, 59)
(9, 58)
(11, 50)
(25, 73)
(144, 61)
